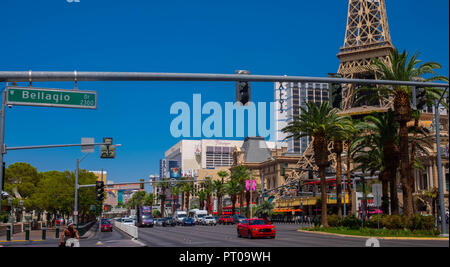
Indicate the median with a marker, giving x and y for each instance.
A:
(384, 227)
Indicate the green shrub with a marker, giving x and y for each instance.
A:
(334, 221)
(394, 222)
(373, 222)
(351, 222)
(419, 222)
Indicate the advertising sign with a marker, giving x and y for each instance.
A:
(175, 173)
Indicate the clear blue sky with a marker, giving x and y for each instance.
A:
(199, 36)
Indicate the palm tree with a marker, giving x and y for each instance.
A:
(233, 188)
(401, 68)
(222, 174)
(219, 188)
(175, 192)
(264, 210)
(187, 189)
(208, 188)
(148, 199)
(378, 146)
(321, 123)
(201, 198)
(240, 174)
(338, 148)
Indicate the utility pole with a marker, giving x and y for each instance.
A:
(75, 208)
(439, 165)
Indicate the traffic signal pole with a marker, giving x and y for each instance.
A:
(2, 145)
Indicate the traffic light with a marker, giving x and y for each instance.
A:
(243, 90)
(142, 186)
(310, 175)
(335, 92)
(99, 190)
(421, 99)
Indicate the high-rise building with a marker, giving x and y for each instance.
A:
(289, 97)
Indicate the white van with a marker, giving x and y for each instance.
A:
(179, 216)
(199, 215)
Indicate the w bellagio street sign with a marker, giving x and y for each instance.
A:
(29, 96)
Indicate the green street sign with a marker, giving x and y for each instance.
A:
(28, 96)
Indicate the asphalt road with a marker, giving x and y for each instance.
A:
(287, 236)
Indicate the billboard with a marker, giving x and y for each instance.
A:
(175, 173)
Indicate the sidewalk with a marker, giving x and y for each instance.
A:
(35, 235)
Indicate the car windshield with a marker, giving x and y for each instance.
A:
(209, 217)
(128, 221)
(106, 222)
(256, 222)
(181, 215)
(201, 215)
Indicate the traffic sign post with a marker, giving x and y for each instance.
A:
(41, 97)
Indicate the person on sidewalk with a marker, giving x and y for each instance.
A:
(69, 233)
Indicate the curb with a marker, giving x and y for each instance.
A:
(381, 238)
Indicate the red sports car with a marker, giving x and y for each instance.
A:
(106, 226)
(226, 219)
(252, 228)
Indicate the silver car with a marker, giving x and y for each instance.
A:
(209, 220)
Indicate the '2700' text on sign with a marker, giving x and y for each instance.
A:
(26, 96)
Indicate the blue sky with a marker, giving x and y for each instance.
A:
(265, 37)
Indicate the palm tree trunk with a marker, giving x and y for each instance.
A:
(241, 202)
(349, 175)
(163, 199)
(405, 180)
(187, 201)
(338, 149)
(219, 204)
(385, 189)
(323, 185)
(233, 204)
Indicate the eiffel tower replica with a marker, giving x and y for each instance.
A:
(367, 38)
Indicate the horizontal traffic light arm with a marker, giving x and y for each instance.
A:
(67, 76)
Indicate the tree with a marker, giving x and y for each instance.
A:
(21, 180)
(149, 199)
(338, 147)
(219, 188)
(233, 188)
(201, 198)
(187, 188)
(321, 123)
(240, 174)
(401, 68)
(377, 150)
(175, 192)
(264, 210)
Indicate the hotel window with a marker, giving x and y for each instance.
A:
(218, 156)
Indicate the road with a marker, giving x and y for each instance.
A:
(287, 236)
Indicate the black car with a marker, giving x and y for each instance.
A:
(188, 222)
(237, 218)
(169, 221)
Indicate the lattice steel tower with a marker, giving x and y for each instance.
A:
(367, 37)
